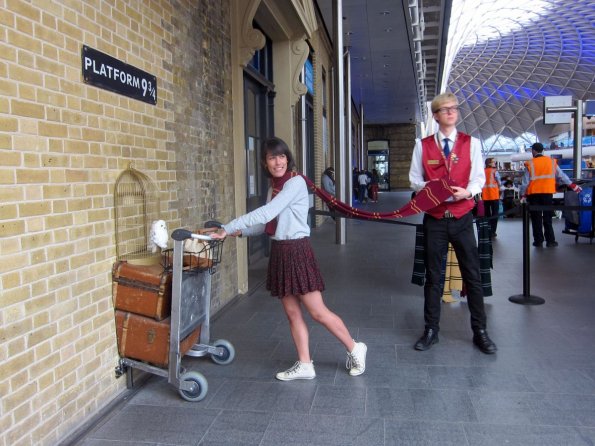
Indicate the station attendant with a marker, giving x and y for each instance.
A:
(456, 156)
(538, 187)
(491, 193)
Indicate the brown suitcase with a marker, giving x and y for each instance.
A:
(146, 339)
(142, 289)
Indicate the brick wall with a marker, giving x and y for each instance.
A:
(62, 145)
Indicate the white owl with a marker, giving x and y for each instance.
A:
(158, 235)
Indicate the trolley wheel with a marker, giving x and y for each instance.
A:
(201, 386)
(228, 352)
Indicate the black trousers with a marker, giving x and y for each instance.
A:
(491, 207)
(541, 221)
(461, 234)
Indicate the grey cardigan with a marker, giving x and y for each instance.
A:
(290, 206)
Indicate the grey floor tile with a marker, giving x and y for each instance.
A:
(478, 378)
(321, 430)
(426, 433)
(294, 396)
(561, 381)
(534, 408)
(415, 404)
(97, 442)
(492, 435)
(391, 376)
(167, 425)
(338, 400)
(237, 428)
(384, 335)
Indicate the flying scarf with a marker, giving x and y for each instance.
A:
(434, 193)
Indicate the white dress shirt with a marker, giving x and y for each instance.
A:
(477, 177)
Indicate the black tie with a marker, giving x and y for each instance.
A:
(446, 148)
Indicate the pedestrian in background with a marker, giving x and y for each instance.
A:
(538, 187)
(328, 180)
(491, 194)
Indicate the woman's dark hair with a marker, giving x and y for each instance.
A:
(276, 146)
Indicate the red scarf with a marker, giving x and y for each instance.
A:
(434, 193)
(277, 184)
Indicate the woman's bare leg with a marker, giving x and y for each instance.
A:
(298, 327)
(333, 323)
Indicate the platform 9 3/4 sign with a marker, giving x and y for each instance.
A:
(104, 71)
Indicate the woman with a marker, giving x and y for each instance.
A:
(293, 275)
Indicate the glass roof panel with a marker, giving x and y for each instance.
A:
(509, 55)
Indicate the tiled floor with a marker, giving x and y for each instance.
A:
(539, 389)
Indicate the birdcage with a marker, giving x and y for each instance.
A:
(136, 202)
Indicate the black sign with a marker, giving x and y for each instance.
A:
(108, 73)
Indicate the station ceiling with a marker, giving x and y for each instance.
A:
(502, 71)
(499, 57)
(383, 53)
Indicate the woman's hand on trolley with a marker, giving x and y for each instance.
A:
(220, 234)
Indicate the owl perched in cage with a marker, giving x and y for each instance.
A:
(158, 236)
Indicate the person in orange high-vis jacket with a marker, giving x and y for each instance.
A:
(457, 156)
(491, 193)
(538, 187)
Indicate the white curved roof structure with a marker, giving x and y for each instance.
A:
(503, 59)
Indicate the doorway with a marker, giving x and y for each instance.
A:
(378, 158)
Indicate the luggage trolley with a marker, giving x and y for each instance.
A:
(190, 308)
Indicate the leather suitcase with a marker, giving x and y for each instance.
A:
(142, 289)
(146, 339)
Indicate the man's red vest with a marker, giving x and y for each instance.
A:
(457, 168)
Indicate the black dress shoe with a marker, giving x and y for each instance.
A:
(537, 244)
(483, 342)
(429, 338)
(551, 244)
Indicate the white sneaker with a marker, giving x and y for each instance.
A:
(300, 370)
(356, 360)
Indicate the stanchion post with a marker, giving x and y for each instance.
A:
(526, 298)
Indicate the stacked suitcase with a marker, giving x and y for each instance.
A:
(142, 299)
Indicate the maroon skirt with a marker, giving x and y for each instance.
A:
(293, 268)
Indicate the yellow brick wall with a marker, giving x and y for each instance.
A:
(63, 143)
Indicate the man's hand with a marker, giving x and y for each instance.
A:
(461, 193)
(576, 188)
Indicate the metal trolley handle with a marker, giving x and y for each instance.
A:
(183, 234)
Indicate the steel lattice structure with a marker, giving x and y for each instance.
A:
(546, 48)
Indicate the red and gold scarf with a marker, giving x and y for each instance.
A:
(434, 193)
(277, 184)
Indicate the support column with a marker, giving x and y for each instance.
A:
(339, 120)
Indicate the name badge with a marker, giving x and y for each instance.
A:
(433, 161)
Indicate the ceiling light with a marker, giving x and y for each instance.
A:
(385, 13)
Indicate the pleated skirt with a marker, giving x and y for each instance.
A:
(293, 269)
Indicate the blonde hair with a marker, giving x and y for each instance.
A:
(441, 99)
